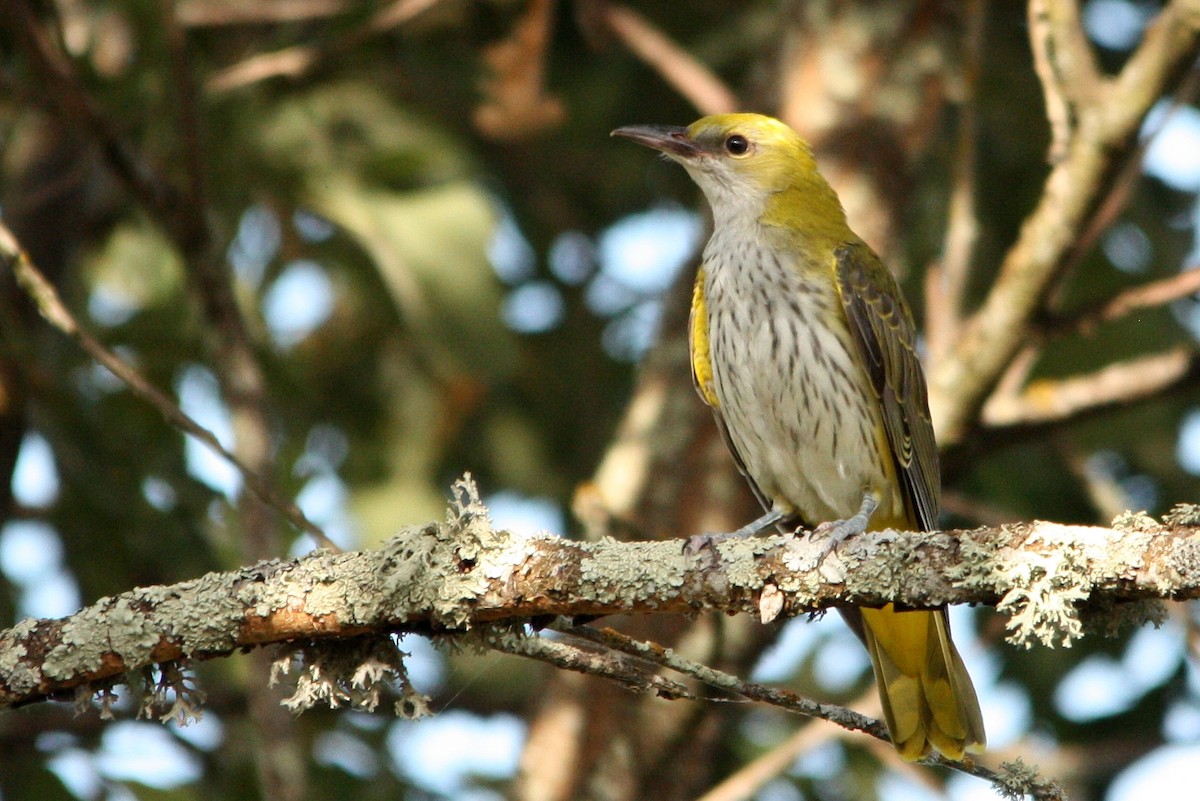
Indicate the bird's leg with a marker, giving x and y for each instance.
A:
(836, 532)
(757, 526)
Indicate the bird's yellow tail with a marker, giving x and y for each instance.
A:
(928, 698)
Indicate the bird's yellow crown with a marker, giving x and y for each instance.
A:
(751, 156)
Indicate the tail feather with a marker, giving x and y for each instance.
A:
(928, 698)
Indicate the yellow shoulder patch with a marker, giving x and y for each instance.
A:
(698, 344)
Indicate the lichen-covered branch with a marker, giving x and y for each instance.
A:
(449, 577)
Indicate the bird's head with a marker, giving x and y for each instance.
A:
(748, 165)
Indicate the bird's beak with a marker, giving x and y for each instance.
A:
(671, 140)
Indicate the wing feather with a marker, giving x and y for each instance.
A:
(882, 328)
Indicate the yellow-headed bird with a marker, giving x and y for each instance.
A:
(803, 346)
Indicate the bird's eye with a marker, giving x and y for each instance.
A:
(737, 145)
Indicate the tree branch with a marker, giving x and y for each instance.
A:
(207, 14)
(1149, 295)
(453, 576)
(677, 68)
(1118, 384)
(960, 383)
(847, 719)
(580, 656)
(297, 61)
(1065, 66)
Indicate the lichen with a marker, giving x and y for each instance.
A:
(20, 676)
(1045, 589)
(104, 693)
(740, 560)
(129, 633)
(885, 563)
(1050, 577)
(977, 563)
(356, 674)
(443, 570)
(1015, 780)
(168, 693)
(1135, 521)
(1184, 565)
(1110, 618)
(630, 572)
(1183, 514)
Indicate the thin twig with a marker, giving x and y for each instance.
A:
(838, 715)
(678, 68)
(632, 673)
(296, 61)
(186, 223)
(1049, 401)
(793, 702)
(51, 307)
(1150, 295)
(754, 775)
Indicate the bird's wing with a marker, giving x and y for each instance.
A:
(882, 328)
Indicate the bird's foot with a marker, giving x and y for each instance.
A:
(834, 533)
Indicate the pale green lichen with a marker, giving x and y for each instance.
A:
(1015, 780)
(1045, 589)
(740, 560)
(1135, 521)
(443, 570)
(168, 693)
(977, 567)
(20, 676)
(630, 572)
(129, 633)
(1047, 581)
(885, 563)
(1183, 514)
(355, 674)
(1182, 567)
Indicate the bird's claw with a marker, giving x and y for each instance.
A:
(698, 543)
(835, 532)
(828, 535)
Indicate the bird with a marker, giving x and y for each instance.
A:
(804, 348)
